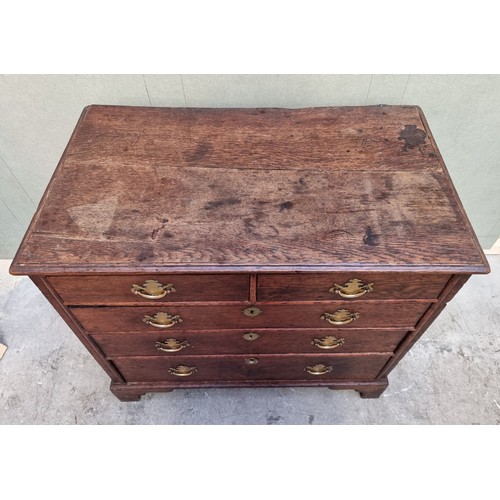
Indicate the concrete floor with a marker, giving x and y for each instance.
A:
(452, 376)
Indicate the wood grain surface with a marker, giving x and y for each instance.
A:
(281, 341)
(268, 367)
(372, 314)
(316, 286)
(165, 189)
(91, 290)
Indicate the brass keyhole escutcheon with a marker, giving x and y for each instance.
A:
(251, 311)
(251, 361)
(251, 336)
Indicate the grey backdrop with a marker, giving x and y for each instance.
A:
(39, 112)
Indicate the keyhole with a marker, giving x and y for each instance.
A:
(250, 336)
(252, 311)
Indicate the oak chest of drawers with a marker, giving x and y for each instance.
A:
(249, 247)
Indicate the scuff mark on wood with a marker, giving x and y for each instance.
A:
(200, 152)
(221, 203)
(154, 232)
(342, 231)
(94, 218)
(300, 186)
(145, 254)
(286, 205)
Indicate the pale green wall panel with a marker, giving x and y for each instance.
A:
(487, 241)
(14, 196)
(463, 112)
(165, 90)
(292, 91)
(387, 89)
(11, 232)
(39, 112)
(37, 115)
(494, 235)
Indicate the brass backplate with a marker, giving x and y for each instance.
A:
(352, 288)
(152, 289)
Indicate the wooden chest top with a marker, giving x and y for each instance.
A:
(183, 189)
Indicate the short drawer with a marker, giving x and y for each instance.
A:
(147, 289)
(369, 314)
(349, 286)
(262, 367)
(177, 344)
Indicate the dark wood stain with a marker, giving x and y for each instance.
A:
(370, 238)
(412, 137)
(286, 205)
(221, 203)
(154, 232)
(145, 254)
(200, 152)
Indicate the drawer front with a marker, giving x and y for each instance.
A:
(370, 314)
(263, 367)
(96, 290)
(175, 344)
(370, 286)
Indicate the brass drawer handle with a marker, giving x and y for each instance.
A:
(183, 371)
(318, 369)
(152, 289)
(251, 361)
(328, 342)
(340, 317)
(353, 289)
(162, 320)
(172, 345)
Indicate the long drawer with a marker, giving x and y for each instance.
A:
(349, 286)
(367, 314)
(144, 289)
(262, 367)
(243, 341)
